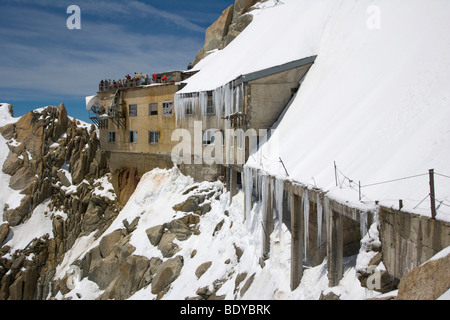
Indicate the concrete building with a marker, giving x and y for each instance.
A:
(138, 118)
(136, 121)
(238, 114)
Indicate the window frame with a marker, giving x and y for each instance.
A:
(212, 137)
(111, 136)
(133, 138)
(135, 107)
(164, 111)
(152, 112)
(210, 107)
(157, 135)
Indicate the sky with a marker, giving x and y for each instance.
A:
(43, 62)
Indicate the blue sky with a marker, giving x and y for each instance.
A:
(42, 62)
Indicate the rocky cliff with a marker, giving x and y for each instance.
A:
(56, 163)
(226, 28)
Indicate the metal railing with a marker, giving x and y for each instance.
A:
(112, 85)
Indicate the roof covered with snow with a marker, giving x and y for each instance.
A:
(375, 102)
(271, 39)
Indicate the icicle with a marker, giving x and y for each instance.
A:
(177, 107)
(182, 102)
(363, 223)
(264, 192)
(248, 186)
(319, 221)
(326, 207)
(306, 219)
(279, 192)
(203, 101)
(272, 193)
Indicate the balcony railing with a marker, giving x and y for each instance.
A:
(132, 83)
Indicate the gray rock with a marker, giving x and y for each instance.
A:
(18, 262)
(247, 284)
(155, 234)
(12, 163)
(166, 273)
(242, 6)
(131, 226)
(329, 296)
(8, 131)
(239, 278)
(190, 205)
(218, 227)
(108, 242)
(180, 229)
(63, 178)
(4, 230)
(155, 262)
(129, 279)
(426, 282)
(22, 177)
(15, 216)
(205, 208)
(166, 245)
(202, 269)
(104, 271)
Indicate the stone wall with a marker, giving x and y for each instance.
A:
(408, 240)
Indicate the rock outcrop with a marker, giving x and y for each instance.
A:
(226, 28)
(426, 282)
(125, 182)
(57, 159)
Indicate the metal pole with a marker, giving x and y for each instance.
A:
(359, 188)
(335, 173)
(432, 199)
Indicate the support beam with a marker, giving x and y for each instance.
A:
(335, 248)
(233, 184)
(297, 238)
(227, 178)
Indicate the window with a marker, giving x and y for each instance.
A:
(133, 136)
(189, 109)
(111, 136)
(208, 136)
(153, 136)
(167, 108)
(153, 109)
(210, 108)
(132, 110)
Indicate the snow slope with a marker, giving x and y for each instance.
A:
(376, 102)
(155, 195)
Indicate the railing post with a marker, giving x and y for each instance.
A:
(432, 199)
(335, 174)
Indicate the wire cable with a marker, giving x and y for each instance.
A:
(394, 180)
(442, 175)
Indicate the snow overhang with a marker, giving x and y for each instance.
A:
(277, 69)
(91, 101)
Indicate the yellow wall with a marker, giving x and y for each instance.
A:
(143, 122)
